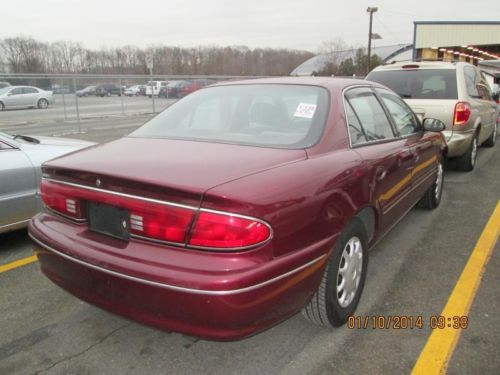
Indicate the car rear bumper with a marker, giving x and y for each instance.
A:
(220, 305)
(458, 141)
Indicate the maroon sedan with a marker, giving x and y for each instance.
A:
(240, 205)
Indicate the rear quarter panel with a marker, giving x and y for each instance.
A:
(305, 202)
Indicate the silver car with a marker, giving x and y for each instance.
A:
(455, 93)
(20, 174)
(25, 97)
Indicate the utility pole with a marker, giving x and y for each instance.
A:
(370, 10)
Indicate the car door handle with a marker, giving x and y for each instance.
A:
(406, 154)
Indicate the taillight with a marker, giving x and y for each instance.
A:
(226, 231)
(60, 199)
(158, 220)
(462, 113)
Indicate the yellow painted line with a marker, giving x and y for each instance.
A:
(441, 343)
(18, 263)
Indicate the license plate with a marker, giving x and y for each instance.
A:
(110, 220)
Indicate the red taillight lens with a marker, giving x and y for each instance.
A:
(166, 223)
(61, 199)
(217, 230)
(147, 218)
(462, 113)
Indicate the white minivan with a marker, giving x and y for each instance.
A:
(153, 87)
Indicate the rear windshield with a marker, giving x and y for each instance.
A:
(419, 83)
(283, 116)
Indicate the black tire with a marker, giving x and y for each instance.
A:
(2, 106)
(325, 308)
(432, 196)
(467, 161)
(490, 142)
(43, 104)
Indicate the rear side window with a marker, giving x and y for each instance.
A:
(30, 90)
(370, 113)
(419, 83)
(471, 78)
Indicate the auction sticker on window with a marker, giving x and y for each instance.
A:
(305, 110)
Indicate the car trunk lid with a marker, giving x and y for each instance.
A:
(173, 170)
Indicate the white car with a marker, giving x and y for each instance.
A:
(133, 90)
(20, 159)
(153, 87)
(25, 97)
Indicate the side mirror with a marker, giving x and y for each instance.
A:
(496, 96)
(433, 125)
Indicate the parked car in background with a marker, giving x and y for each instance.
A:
(172, 89)
(453, 92)
(24, 97)
(133, 91)
(142, 90)
(239, 205)
(20, 174)
(153, 87)
(4, 84)
(191, 86)
(108, 89)
(87, 91)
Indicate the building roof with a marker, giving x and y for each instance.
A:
(316, 63)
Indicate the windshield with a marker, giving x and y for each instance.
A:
(284, 116)
(419, 83)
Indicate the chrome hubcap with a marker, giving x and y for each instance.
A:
(439, 181)
(349, 273)
(474, 151)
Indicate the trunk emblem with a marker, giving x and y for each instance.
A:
(98, 183)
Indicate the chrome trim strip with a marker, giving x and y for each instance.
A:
(25, 194)
(120, 194)
(174, 287)
(72, 219)
(14, 224)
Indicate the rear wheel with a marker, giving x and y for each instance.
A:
(490, 142)
(343, 280)
(432, 196)
(43, 104)
(467, 161)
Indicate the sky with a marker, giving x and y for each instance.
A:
(292, 24)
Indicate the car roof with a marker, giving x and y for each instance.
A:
(330, 83)
(422, 65)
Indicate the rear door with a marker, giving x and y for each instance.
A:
(481, 102)
(30, 96)
(387, 159)
(18, 186)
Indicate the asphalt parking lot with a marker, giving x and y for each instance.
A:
(412, 272)
(91, 107)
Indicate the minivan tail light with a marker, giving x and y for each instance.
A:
(462, 113)
(226, 231)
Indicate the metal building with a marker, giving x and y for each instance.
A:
(473, 42)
